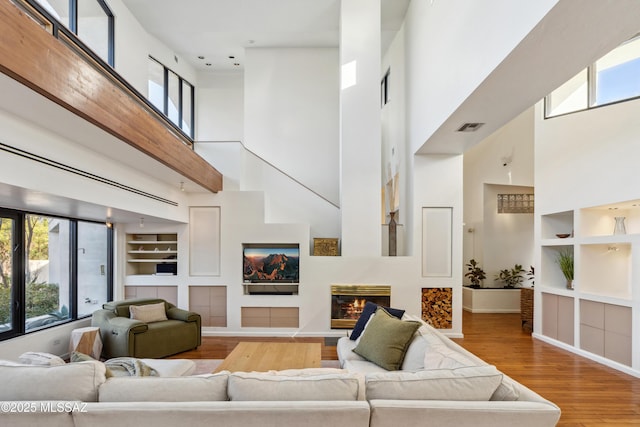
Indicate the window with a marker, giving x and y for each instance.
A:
(613, 78)
(90, 20)
(172, 95)
(47, 265)
(53, 270)
(384, 89)
(94, 26)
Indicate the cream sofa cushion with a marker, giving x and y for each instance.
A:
(264, 386)
(72, 381)
(148, 313)
(212, 387)
(468, 383)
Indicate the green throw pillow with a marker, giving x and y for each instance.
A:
(386, 339)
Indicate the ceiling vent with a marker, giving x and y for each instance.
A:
(469, 127)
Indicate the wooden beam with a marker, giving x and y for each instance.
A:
(51, 67)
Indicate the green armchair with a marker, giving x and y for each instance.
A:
(122, 336)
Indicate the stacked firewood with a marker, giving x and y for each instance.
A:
(437, 307)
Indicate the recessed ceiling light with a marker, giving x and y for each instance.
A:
(208, 64)
(232, 57)
(200, 57)
(236, 64)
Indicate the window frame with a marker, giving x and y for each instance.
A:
(384, 88)
(18, 285)
(592, 88)
(73, 26)
(166, 95)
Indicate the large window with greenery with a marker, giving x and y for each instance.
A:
(613, 78)
(91, 20)
(172, 95)
(53, 270)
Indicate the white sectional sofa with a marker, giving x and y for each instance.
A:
(361, 395)
(442, 384)
(80, 395)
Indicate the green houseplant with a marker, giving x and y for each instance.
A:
(565, 261)
(475, 273)
(511, 278)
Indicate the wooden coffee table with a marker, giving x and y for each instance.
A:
(266, 356)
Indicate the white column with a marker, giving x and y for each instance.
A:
(360, 134)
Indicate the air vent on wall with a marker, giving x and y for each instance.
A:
(31, 156)
(469, 127)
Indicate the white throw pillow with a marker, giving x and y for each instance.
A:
(148, 313)
(39, 358)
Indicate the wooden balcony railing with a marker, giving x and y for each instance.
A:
(62, 70)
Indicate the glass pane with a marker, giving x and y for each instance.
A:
(571, 96)
(92, 267)
(618, 74)
(156, 84)
(6, 271)
(93, 27)
(186, 107)
(47, 271)
(174, 98)
(59, 9)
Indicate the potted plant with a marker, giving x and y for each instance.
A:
(511, 278)
(475, 273)
(565, 261)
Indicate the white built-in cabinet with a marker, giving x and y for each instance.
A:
(146, 251)
(596, 317)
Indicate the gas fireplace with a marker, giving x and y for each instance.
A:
(347, 302)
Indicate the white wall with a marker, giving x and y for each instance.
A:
(291, 113)
(587, 158)
(452, 46)
(508, 238)
(32, 175)
(446, 171)
(395, 153)
(220, 106)
(241, 222)
(485, 175)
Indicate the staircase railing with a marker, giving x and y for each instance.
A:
(262, 159)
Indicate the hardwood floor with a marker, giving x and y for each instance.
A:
(588, 393)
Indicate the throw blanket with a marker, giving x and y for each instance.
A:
(129, 367)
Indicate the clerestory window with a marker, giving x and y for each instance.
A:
(91, 20)
(172, 95)
(613, 78)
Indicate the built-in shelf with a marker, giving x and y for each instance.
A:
(557, 223)
(606, 287)
(152, 254)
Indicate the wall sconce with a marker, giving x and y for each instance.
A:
(181, 186)
(141, 222)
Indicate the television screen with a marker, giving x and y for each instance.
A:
(271, 263)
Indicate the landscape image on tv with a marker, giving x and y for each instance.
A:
(271, 263)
